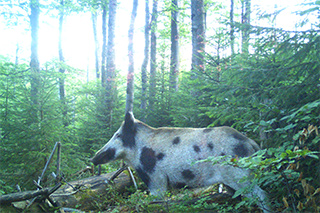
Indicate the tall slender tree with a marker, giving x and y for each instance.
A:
(111, 66)
(245, 29)
(153, 55)
(96, 42)
(145, 62)
(62, 60)
(232, 27)
(104, 43)
(110, 83)
(198, 34)
(174, 59)
(34, 62)
(130, 76)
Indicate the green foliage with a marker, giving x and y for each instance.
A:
(27, 138)
(260, 91)
(289, 173)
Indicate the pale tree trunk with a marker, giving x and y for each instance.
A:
(104, 43)
(111, 66)
(232, 27)
(245, 20)
(198, 35)
(96, 42)
(153, 55)
(145, 62)
(111, 88)
(34, 62)
(62, 69)
(174, 59)
(130, 76)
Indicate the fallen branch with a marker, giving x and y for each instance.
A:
(20, 196)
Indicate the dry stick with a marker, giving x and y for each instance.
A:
(43, 171)
(20, 196)
(48, 197)
(46, 194)
(118, 172)
(132, 177)
(48, 162)
(58, 162)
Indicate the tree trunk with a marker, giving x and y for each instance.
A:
(153, 55)
(174, 59)
(245, 29)
(82, 193)
(104, 43)
(96, 42)
(20, 196)
(232, 27)
(62, 69)
(34, 63)
(110, 84)
(111, 66)
(198, 35)
(130, 76)
(145, 62)
(68, 196)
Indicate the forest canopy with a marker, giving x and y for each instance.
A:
(67, 67)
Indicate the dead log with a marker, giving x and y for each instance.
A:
(20, 196)
(75, 192)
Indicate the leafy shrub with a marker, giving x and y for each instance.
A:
(290, 173)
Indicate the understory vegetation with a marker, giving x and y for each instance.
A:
(271, 94)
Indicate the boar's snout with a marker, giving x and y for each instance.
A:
(104, 156)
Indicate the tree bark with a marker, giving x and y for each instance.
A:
(96, 42)
(198, 35)
(69, 196)
(130, 76)
(62, 69)
(20, 196)
(111, 66)
(110, 84)
(245, 20)
(75, 193)
(153, 55)
(232, 27)
(104, 43)
(145, 62)
(174, 59)
(34, 63)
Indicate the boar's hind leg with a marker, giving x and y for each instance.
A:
(232, 176)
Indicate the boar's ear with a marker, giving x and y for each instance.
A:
(128, 130)
(129, 121)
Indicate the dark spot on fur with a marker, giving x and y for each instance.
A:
(196, 148)
(148, 159)
(144, 176)
(222, 154)
(176, 140)
(104, 157)
(210, 146)
(207, 130)
(239, 136)
(129, 131)
(188, 174)
(160, 156)
(179, 185)
(240, 150)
